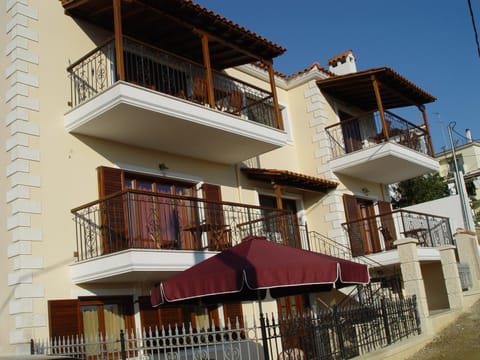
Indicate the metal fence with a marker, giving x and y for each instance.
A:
(378, 233)
(158, 70)
(366, 130)
(134, 219)
(335, 333)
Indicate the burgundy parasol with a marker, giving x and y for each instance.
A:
(257, 264)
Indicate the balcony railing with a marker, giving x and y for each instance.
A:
(144, 220)
(377, 233)
(365, 131)
(164, 72)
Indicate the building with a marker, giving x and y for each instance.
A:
(133, 153)
(468, 164)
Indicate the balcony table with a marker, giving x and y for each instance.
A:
(218, 235)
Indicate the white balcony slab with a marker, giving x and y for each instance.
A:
(134, 265)
(385, 163)
(133, 115)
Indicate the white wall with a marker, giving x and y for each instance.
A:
(449, 206)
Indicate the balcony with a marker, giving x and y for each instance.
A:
(135, 234)
(362, 148)
(167, 103)
(375, 235)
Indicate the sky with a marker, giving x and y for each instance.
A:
(430, 42)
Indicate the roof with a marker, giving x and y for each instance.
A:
(289, 178)
(174, 24)
(356, 89)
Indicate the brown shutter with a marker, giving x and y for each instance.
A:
(148, 314)
(354, 227)
(232, 311)
(114, 234)
(218, 233)
(64, 317)
(388, 224)
(213, 315)
(109, 180)
(170, 315)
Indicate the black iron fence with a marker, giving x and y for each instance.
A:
(366, 130)
(378, 233)
(158, 70)
(335, 333)
(135, 219)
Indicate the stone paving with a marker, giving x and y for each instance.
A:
(460, 340)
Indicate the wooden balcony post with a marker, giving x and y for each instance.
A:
(117, 24)
(427, 129)
(278, 195)
(376, 88)
(208, 67)
(276, 108)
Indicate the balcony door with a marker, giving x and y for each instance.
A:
(361, 224)
(158, 220)
(352, 137)
(281, 230)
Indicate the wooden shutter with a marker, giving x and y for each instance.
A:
(232, 311)
(113, 224)
(388, 225)
(64, 317)
(218, 234)
(354, 227)
(148, 314)
(170, 315)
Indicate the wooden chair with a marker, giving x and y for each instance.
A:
(199, 93)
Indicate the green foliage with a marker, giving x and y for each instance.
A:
(420, 189)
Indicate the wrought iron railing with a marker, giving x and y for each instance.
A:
(366, 130)
(155, 69)
(377, 233)
(336, 333)
(135, 219)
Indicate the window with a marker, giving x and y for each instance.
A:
(200, 316)
(90, 316)
(153, 217)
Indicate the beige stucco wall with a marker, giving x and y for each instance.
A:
(50, 171)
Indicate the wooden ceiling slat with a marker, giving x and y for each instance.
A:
(147, 19)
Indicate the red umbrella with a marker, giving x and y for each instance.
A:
(258, 264)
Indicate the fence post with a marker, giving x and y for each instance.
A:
(385, 321)
(338, 329)
(122, 345)
(264, 336)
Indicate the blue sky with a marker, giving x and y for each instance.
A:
(430, 42)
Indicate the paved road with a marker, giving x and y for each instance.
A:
(460, 340)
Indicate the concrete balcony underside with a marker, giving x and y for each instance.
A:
(385, 163)
(135, 265)
(133, 115)
(391, 257)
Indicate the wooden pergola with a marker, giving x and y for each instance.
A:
(378, 89)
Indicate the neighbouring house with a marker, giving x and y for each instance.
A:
(143, 137)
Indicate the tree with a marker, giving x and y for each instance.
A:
(419, 189)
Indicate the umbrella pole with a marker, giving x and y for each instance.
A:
(263, 327)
